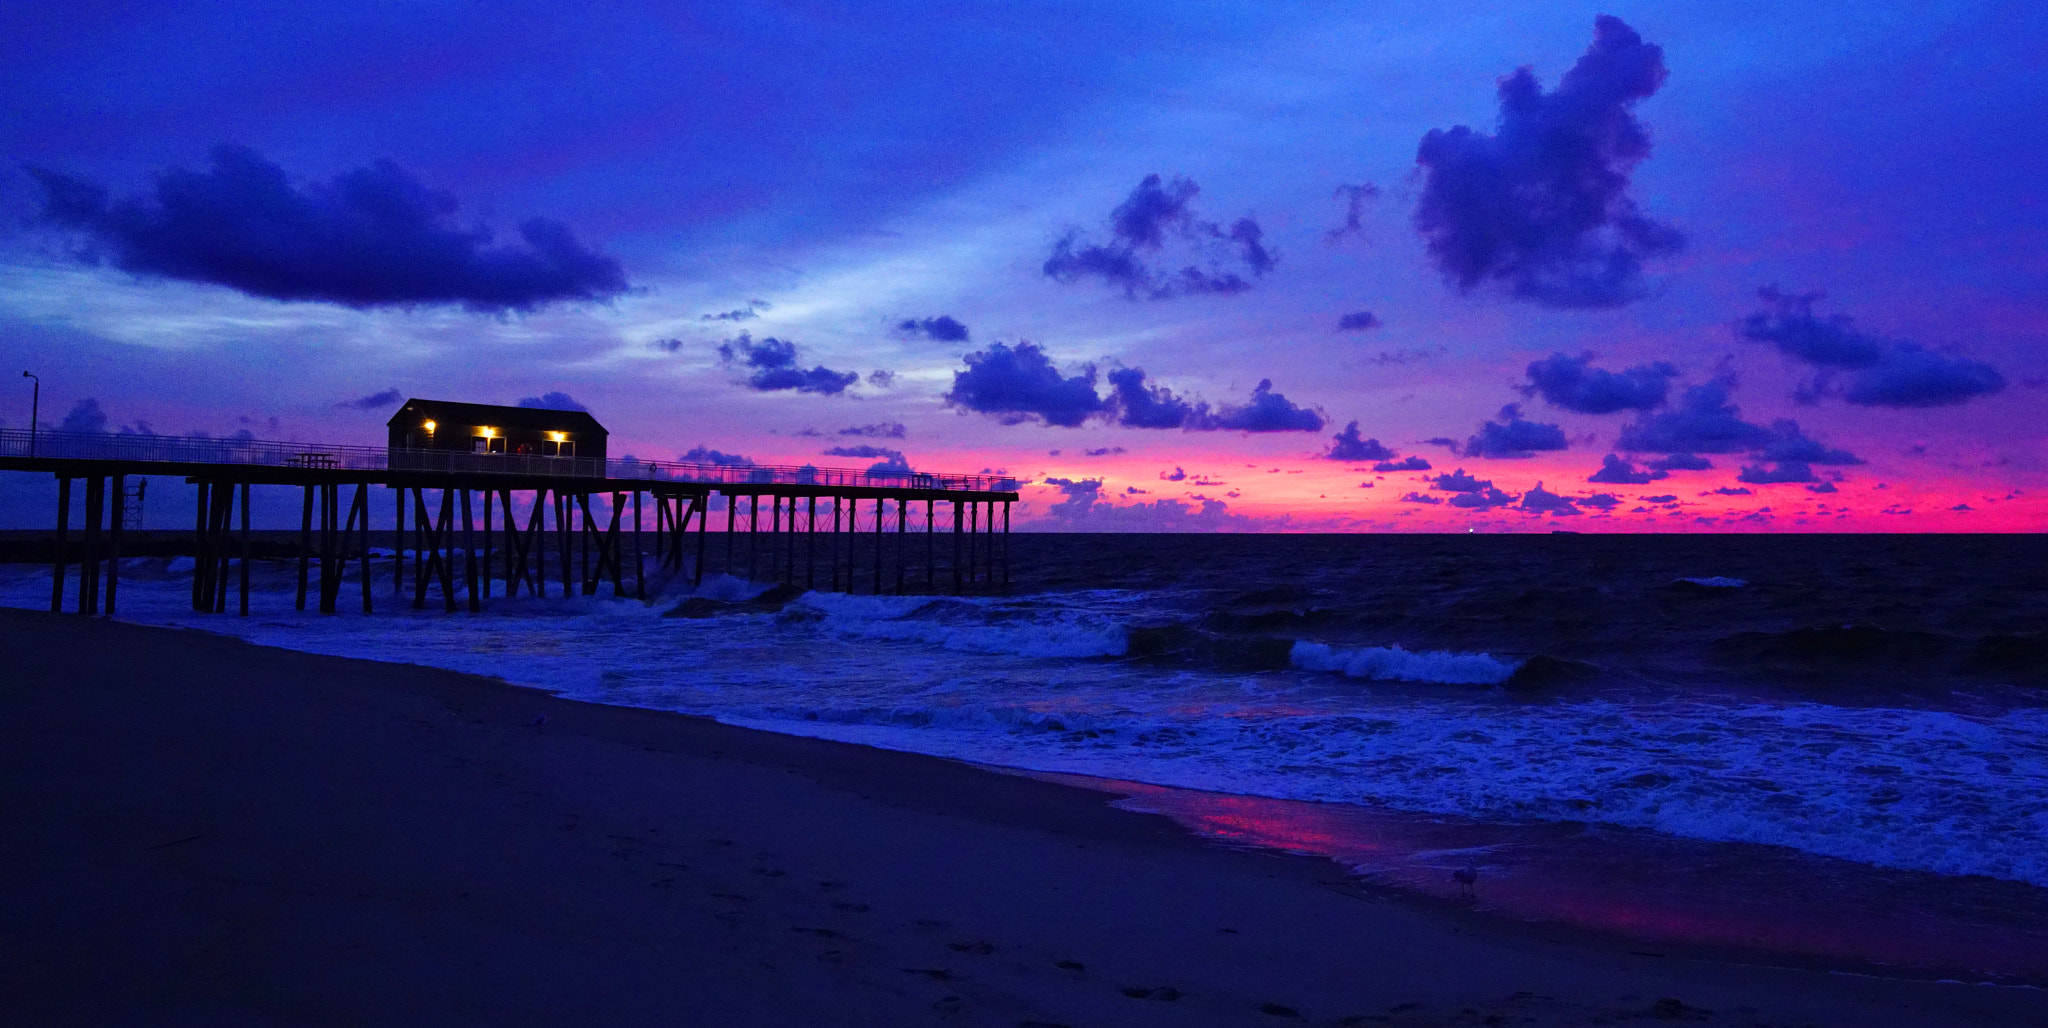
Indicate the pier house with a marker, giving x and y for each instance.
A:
(488, 428)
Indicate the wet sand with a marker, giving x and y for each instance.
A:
(199, 831)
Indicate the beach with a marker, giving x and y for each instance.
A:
(203, 831)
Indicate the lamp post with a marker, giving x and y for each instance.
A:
(35, 405)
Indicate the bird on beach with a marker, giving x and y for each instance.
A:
(1467, 877)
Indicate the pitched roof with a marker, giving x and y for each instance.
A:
(537, 419)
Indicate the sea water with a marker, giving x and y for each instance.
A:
(1861, 722)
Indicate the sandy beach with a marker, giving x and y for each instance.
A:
(201, 831)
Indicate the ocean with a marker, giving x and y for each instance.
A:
(1801, 748)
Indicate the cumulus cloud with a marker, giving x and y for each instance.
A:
(1459, 482)
(1512, 438)
(1681, 462)
(751, 311)
(1573, 384)
(1017, 384)
(1879, 372)
(552, 401)
(1348, 446)
(1405, 464)
(1155, 214)
(1420, 498)
(944, 328)
(1616, 471)
(1783, 471)
(1542, 501)
(1542, 205)
(864, 452)
(1358, 321)
(374, 401)
(705, 455)
(1485, 499)
(1139, 405)
(773, 366)
(1136, 404)
(84, 416)
(878, 430)
(372, 237)
(1733, 491)
(1265, 411)
(1178, 474)
(1703, 421)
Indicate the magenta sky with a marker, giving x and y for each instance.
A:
(1615, 267)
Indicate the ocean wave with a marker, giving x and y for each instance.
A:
(1392, 663)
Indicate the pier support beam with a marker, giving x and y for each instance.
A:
(64, 544)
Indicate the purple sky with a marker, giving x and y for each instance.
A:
(1700, 265)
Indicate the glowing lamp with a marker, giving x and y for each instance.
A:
(429, 426)
(486, 431)
(559, 437)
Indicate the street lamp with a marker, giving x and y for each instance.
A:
(35, 405)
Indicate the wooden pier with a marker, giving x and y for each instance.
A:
(503, 523)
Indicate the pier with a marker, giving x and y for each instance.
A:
(502, 523)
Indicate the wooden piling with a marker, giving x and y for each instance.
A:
(469, 575)
(242, 595)
(89, 563)
(115, 527)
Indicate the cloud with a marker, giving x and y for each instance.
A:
(1176, 475)
(1512, 438)
(865, 452)
(942, 329)
(1420, 498)
(1702, 422)
(1660, 499)
(1882, 372)
(751, 311)
(1136, 404)
(1080, 496)
(1784, 471)
(1103, 451)
(775, 367)
(1154, 214)
(1616, 471)
(1084, 506)
(1405, 464)
(1681, 462)
(1603, 501)
(372, 237)
(1019, 383)
(1575, 385)
(881, 379)
(1347, 446)
(1733, 491)
(1358, 321)
(1460, 482)
(1266, 411)
(1823, 487)
(878, 430)
(1542, 501)
(705, 455)
(1789, 443)
(1542, 206)
(374, 401)
(1485, 499)
(552, 401)
(1355, 198)
(85, 416)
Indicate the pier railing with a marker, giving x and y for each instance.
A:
(273, 453)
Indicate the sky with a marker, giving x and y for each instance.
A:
(1178, 266)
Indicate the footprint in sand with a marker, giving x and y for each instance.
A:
(1070, 965)
(937, 974)
(1276, 1010)
(1164, 993)
(979, 949)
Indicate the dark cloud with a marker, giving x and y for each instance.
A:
(1734, 491)
(669, 345)
(774, 367)
(865, 452)
(1575, 385)
(1602, 501)
(943, 328)
(1542, 206)
(1103, 451)
(552, 401)
(1783, 471)
(1080, 496)
(1485, 499)
(1355, 198)
(1616, 471)
(1266, 411)
(1880, 372)
(881, 379)
(1460, 482)
(1789, 443)
(1702, 422)
(1512, 438)
(85, 416)
(751, 311)
(1681, 462)
(706, 455)
(1139, 405)
(1019, 383)
(1823, 487)
(1154, 214)
(1358, 321)
(1542, 501)
(1660, 499)
(1176, 475)
(374, 401)
(1405, 464)
(1347, 446)
(878, 430)
(373, 237)
(1420, 498)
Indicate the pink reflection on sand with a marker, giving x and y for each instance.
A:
(1646, 887)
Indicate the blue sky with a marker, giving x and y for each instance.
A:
(832, 173)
